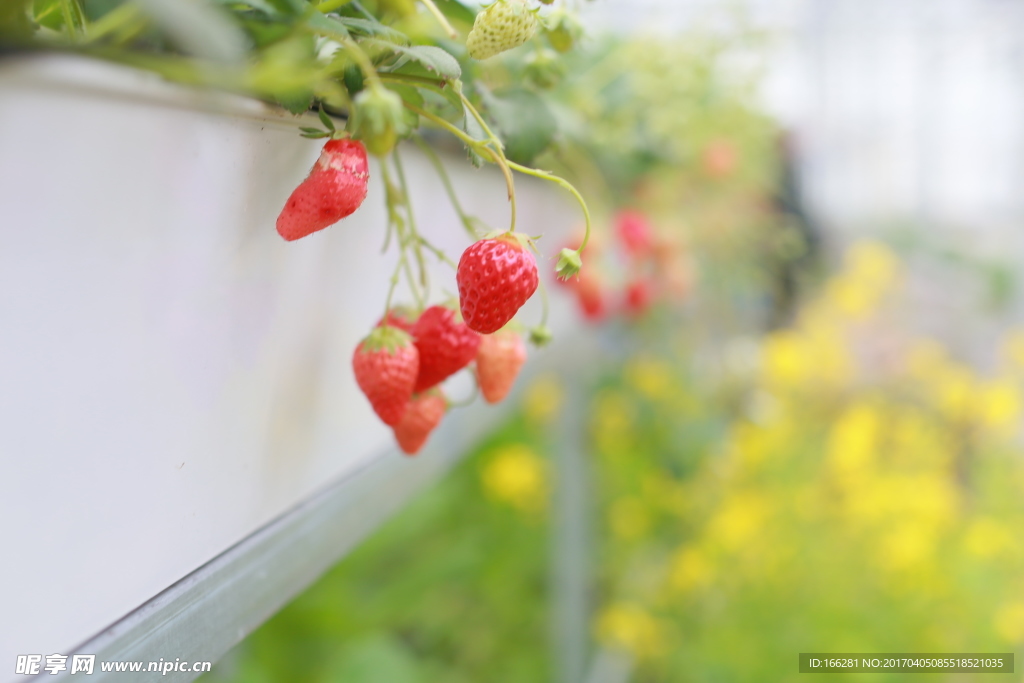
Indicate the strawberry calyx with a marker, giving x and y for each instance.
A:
(386, 338)
(541, 335)
(569, 264)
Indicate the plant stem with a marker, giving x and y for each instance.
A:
(480, 147)
(417, 241)
(565, 185)
(442, 172)
(441, 19)
(545, 304)
(469, 141)
(502, 163)
(331, 5)
(480, 119)
(124, 19)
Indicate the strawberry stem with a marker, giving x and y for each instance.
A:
(497, 153)
(442, 172)
(565, 184)
(414, 237)
(441, 19)
(481, 147)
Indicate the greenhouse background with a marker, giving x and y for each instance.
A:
(777, 410)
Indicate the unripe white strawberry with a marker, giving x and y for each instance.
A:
(501, 26)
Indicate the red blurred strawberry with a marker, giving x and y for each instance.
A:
(421, 418)
(446, 345)
(401, 317)
(639, 296)
(498, 362)
(591, 297)
(496, 277)
(634, 233)
(334, 189)
(720, 158)
(385, 365)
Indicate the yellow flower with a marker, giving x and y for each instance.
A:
(999, 404)
(516, 475)
(629, 627)
(907, 546)
(543, 399)
(611, 419)
(652, 378)
(691, 570)
(987, 538)
(1009, 622)
(629, 518)
(854, 440)
(868, 276)
(1013, 349)
(785, 359)
(740, 517)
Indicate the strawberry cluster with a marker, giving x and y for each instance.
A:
(652, 268)
(401, 379)
(402, 363)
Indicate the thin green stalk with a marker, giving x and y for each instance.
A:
(446, 180)
(124, 19)
(70, 24)
(441, 19)
(480, 119)
(480, 147)
(565, 185)
(414, 234)
(545, 304)
(331, 5)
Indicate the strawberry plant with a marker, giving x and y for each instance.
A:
(375, 73)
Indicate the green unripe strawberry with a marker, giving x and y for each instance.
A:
(501, 26)
(379, 119)
(563, 30)
(544, 69)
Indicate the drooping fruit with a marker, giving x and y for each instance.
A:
(386, 364)
(495, 277)
(334, 189)
(421, 418)
(445, 343)
(498, 362)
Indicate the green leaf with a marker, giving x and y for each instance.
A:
(325, 119)
(297, 102)
(326, 26)
(408, 94)
(456, 10)
(526, 123)
(373, 28)
(261, 5)
(437, 62)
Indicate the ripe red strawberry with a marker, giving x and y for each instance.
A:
(591, 297)
(634, 232)
(639, 296)
(334, 189)
(496, 277)
(498, 362)
(445, 343)
(401, 317)
(423, 415)
(385, 366)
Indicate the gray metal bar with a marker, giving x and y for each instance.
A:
(208, 612)
(610, 666)
(570, 554)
